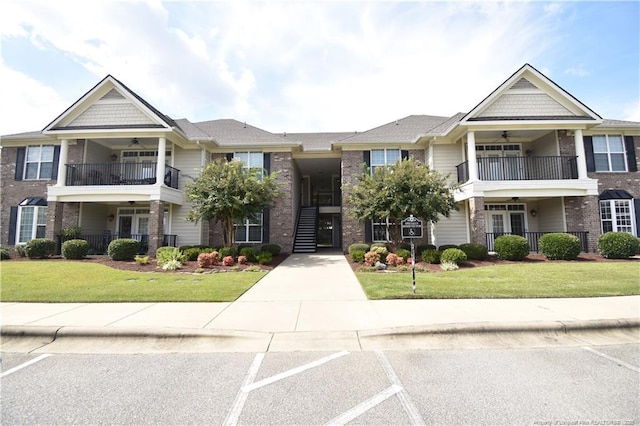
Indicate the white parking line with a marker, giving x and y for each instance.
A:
(23, 365)
(241, 398)
(293, 371)
(406, 401)
(365, 406)
(610, 358)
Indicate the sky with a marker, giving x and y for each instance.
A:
(311, 66)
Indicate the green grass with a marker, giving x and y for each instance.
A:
(69, 281)
(565, 279)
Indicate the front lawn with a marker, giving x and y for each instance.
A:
(518, 280)
(78, 281)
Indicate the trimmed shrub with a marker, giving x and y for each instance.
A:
(381, 249)
(617, 245)
(40, 248)
(511, 247)
(446, 246)
(358, 246)
(249, 253)
(404, 254)
(172, 265)
(357, 256)
(165, 255)
(560, 246)
(141, 260)
(123, 249)
(431, 256)
(207, 260)
(264, 257)
(227, 251)
(371, 257)
(274, 249)
(422, 247)
(474, 251)
(228, 261)
(192, 253)
(453, 255)
(4, 253)
(75, 249)
(242, 260)
(393, 259)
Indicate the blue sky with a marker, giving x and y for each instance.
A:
(305, 66)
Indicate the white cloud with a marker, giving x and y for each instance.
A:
(578, 71)
(631, 111)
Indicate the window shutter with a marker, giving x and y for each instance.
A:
(56, 160)
(20, 162)
(230, 156)
(368, 231)
(13, 219)
(367, 158)
(266, 162)
(636, 205)
(588, 151)
(631, 153)
(404, 154)
(265, 226)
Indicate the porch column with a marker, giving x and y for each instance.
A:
(471, 157)
(62, 161)
(156, 227)
(162, 149)
(582, 158)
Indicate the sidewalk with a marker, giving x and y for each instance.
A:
(309, 302)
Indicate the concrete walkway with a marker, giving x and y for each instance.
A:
(310, 301)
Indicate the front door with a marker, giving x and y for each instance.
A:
(124, 226)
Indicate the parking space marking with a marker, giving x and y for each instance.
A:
(292, 372)
(365, 406)
(241, 398)
(406, 401)
(610, 358)
(25, 364)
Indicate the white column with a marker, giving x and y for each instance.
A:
(471, 157)
(162, 148)
(62, 161)
(582, 158)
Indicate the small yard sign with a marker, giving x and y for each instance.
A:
(411, 228)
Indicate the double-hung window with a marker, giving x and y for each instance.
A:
(609, 153)
(381, 229)
(383, 157)
(249, 230)
(32, 222)
(39, 162)
(617, 216)
(251, 160)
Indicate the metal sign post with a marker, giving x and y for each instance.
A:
(412, 228)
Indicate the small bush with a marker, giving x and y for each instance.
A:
(403, 246)
(264, 257)
(430, 256)
(75, 249)
(228, 261)
(20, 251)
(207, 260)
(449, 266)
(172, 265)
(617, 245)
(394, 260)
(165, 255)
(453, 255)
(242, 260)
(141, 260)
(511, 247)
(274, 249)
(560, 246)
(446, 247)
(227, 251)
(123, 249)
(192, 253)
(40, 248)
(249, 253)
(422, 247)
(382, 250)
(404, 254)
(474, 251)
(371, 257)
(359, 247)
(4, 253)
(357, 256)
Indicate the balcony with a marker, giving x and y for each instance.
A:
(118, 174)
(521, 168)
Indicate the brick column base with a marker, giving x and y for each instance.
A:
(156, 227)
(477, 223)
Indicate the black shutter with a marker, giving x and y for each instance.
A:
(404, 154)
(20, 163)
(367, 158)
(13, 218)
(588, 151)
(636, 204)
(266, 162)
(265, 226)
(230, 156)
(631, 153)
(368, 231)
(56, 160)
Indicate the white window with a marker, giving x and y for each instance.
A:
(383, 157)
(609, 153)
(381, 229)
(617, 216)
(39, 162)
(32, 222)
(249, 230)
(251, 160)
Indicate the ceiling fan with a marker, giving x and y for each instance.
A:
(136, 143)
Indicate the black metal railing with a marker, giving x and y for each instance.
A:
(522, 168)
(534, 239)
(327, 198)
(98, 243)
(119, 174)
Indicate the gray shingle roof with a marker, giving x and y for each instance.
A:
(404, 130)
(618, 123)
(317, 141)
(229, 132)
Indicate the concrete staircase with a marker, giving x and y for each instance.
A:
(306, 231)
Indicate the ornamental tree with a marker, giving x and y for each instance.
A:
(228, 193)
(396, 191)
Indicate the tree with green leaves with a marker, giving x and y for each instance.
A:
(399, 190)
(228, 192)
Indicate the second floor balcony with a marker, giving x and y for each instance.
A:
(92, 174)
(521, 168)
